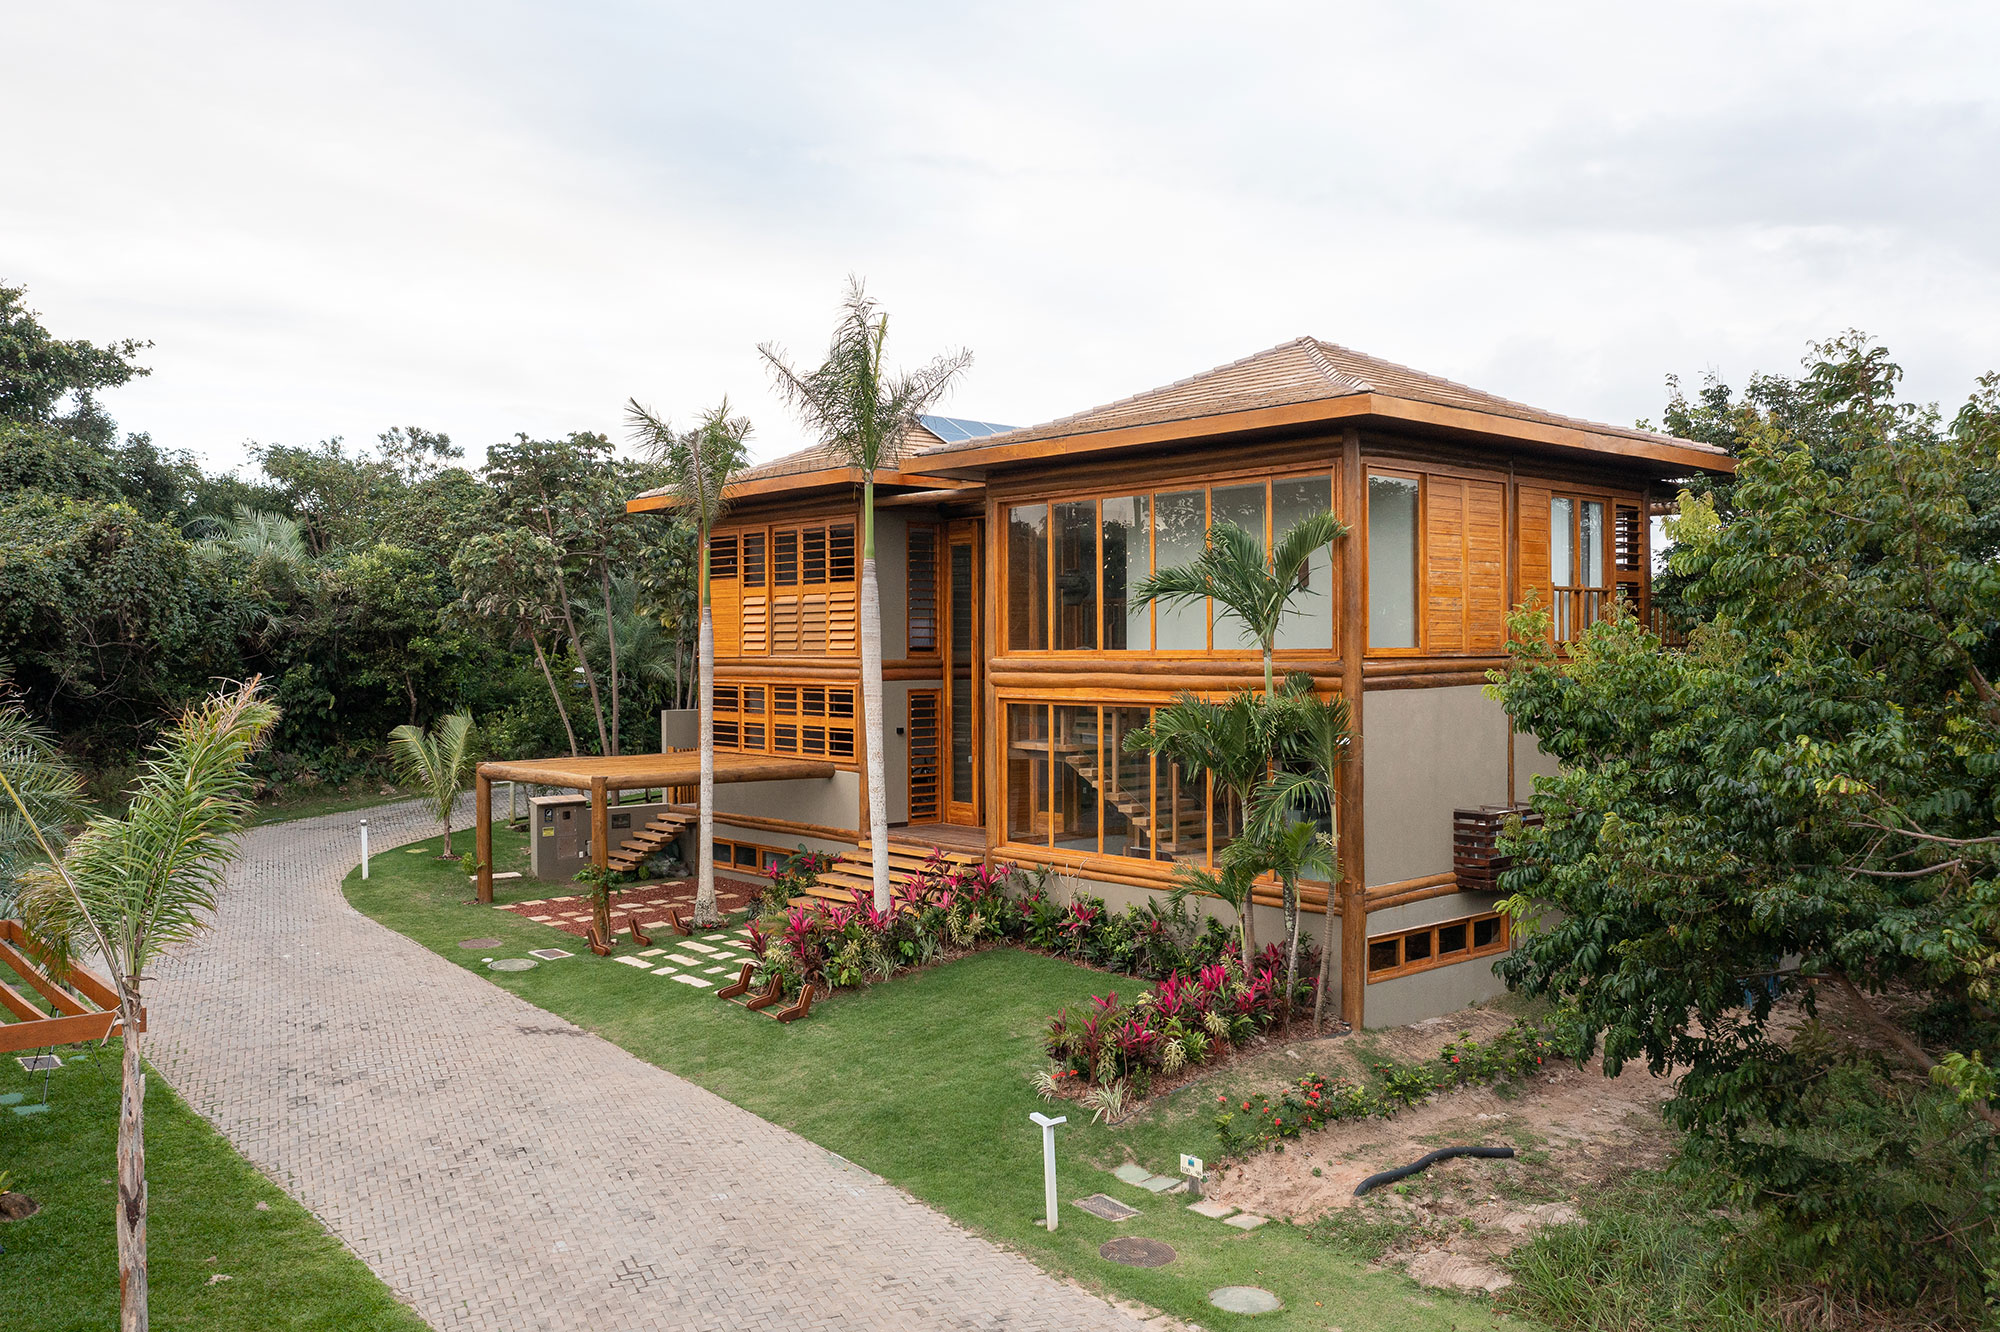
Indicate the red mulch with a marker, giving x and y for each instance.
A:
(648, 901)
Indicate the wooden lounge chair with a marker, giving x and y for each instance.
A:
(794, 1011)
(597, 942)
(741, 985)
(639, 936)
(681, 927)
(771, 995)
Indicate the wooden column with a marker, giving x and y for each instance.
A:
(1353, 644)
(482, 837)
(600, 824)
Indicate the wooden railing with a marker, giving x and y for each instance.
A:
(1573, 610)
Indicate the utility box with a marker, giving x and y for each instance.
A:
(559, 832)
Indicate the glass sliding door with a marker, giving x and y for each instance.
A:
(1028, 773)
(1127, 563)
(1393, 503)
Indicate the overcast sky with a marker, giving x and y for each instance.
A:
(489, 218)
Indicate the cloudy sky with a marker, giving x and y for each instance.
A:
(499, 217)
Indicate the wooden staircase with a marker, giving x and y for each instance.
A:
(1181, 839)
(853, 871)
(643, 843)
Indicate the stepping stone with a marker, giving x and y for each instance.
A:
(549, 954)
(667, 971)
(1159, 1184)
(1131, 1251)
(652, 952)
(1245, 1300)
(1133, 1173)
(511, 964)
(713, 937)
(697, 947)
(1246, 1221)
(39, 1108)
(679, 960)
(478, 944)
(541, 918)
(13, 1098)
(1208, 1207)
(537, 902)
(694, 980)
(638, 962)
(713, 971)
(1106, 1207)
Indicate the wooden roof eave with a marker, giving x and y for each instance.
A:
(1351, 409)
(828, 478)
(632, 772)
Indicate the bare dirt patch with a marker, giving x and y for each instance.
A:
(1573, 1130)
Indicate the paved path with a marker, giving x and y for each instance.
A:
(501, 1169)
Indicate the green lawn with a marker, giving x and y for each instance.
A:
(59, 1272)
(924, 1080)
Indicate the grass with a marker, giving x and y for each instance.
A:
(925, 1081)
(59, 1272)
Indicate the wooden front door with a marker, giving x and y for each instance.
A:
(964, 657)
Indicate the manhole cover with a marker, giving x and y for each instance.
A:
(1132, 1251)
(478, 943)
(1245, 1300)
(1105, 1206)
(510, 964)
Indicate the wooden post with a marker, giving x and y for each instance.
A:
(600, 824)
(482, 838)
(1353, 644)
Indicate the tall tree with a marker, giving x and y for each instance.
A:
(861, 412)
(698, 464)
(127, 889)
(505, 577)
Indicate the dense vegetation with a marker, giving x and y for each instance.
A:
(1775, 856)
(372, 587)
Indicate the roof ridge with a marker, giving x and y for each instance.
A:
(1317, 348)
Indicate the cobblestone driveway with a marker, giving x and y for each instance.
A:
(501, 1169)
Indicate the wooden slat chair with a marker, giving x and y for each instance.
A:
(799, 1008)
(741, 985)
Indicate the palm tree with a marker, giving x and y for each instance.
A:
(1232, 571)
(46, 799)
(1231, 881)
(1313, 735)
(860, 412)
(698, 464)
(435, 763)
(127, 889)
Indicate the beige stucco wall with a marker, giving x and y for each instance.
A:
(833, 801)
(1406, 999)
(1427, 752)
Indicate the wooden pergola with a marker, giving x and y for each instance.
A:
(77, 1005)
(625, 772)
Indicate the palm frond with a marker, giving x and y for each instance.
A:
(41, 799)
(435, 762)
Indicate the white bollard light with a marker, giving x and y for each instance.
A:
(364, 848)
(1049, 1159)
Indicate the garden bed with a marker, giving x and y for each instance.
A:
(648, 901)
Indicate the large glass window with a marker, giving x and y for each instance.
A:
(1309, 617)
(1028, 577)
(1127, 563)
(1126, 781)
(1028, 772)
(1243, 506)
(1562, 541)
(1076, 576)
(1076, 777)
(1180, 528)
(1392, 562)
(1591, 539)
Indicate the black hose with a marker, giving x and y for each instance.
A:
(1376, 1181)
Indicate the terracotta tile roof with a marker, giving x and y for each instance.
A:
(1302, 370)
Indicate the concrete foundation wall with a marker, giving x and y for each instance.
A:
(1427, 752)
(1427, 994)
(832, 801)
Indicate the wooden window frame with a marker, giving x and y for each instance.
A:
(1434, 961)
(834, 718)
(1422, 588)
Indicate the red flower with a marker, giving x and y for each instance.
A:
(1246, 1105)
(1276, 1122)
(1454, 1059)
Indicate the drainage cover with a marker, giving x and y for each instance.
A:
(510, 964)
(478, 943)
(1131, 1251)
(38, 1063)
(1107, 1207)
(1245, 1300)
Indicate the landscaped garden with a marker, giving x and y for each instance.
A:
(927, 1080)
(230, 1251)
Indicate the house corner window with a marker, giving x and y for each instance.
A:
(1392, 562)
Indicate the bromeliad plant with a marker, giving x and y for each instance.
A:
(792, 876)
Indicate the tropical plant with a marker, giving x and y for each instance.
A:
(1233, 571)
(504, 577)
(1231, 882)
(127, 889)
(436, 763)
(45, 800)
(1313, 737)
(861, 412)
(698, 464)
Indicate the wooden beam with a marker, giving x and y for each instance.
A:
(600, 823)
(64, 1001)
(482, 836)
(1353, 646)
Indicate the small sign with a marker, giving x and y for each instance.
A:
(1190, 1165)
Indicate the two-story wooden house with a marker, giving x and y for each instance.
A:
(1016, 659)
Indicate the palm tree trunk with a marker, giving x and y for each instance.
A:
(132, 1312)
(871, 703)
(1291, 944)
(554, 693)
(1249, 928)
(611, 646)
(705, 912)
(1327, 936)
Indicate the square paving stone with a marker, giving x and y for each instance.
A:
(713, 971)
(679, 960)
(652, 952)
(667, 971)
(1105, 1206)
(713, 937)
(638, 962)
(1246, 1221)
(694, 980)
(697, 947)
(1158, 1183)
(549, 954)
(1210, 1208)
(1133, 1173)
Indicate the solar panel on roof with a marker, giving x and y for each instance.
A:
(953, 429)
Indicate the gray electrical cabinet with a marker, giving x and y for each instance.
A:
(559, 832)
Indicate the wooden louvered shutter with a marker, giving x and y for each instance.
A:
(1532, 522)
(1485, 568)
(812, 624)
(756, 598)
(920, 598)
(725, 595)
(1444, 565)
(924, 770)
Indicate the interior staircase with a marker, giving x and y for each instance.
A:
(853, 871)
(643, 843)
(1180, 838)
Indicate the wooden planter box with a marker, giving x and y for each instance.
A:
(1475, 839)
